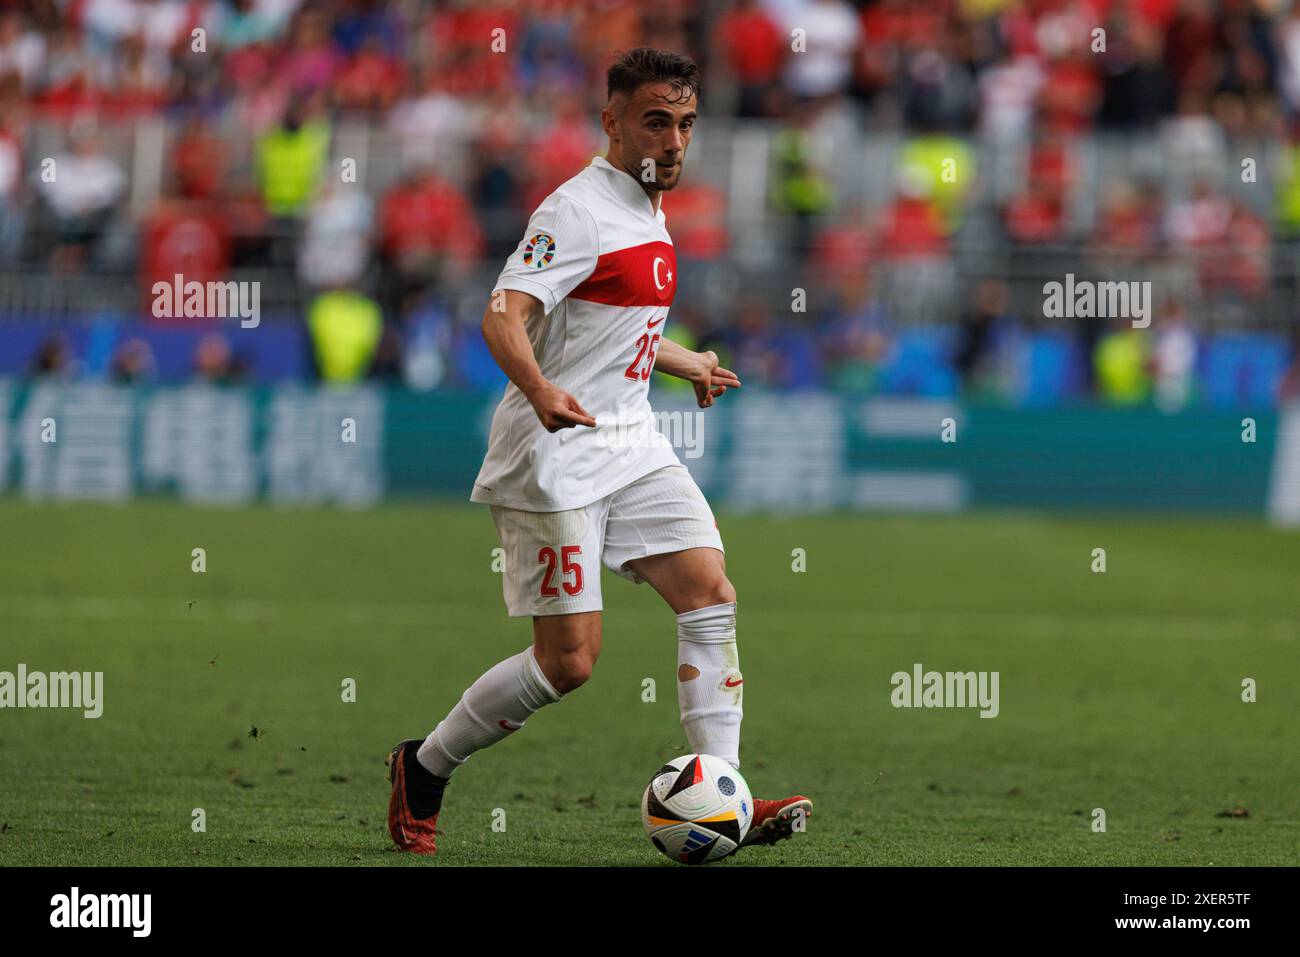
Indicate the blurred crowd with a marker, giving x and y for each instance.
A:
(958, 64)
(519, 84)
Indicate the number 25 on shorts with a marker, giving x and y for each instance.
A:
(548, 556)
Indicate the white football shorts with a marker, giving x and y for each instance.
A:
(552, 559)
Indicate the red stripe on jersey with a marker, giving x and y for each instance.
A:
(644, 275)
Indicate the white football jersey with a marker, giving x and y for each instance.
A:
(600, 260)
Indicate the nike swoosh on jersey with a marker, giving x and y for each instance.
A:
(651, 325)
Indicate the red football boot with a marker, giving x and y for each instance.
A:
(775, 820)
(415, 801)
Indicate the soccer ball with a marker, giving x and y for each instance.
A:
(696, 809)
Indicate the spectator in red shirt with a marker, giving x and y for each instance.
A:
(1240, 261)
(189, 238)
(189, 232)
(1193, 48)
(429, 235)
(697, 217)
(753, 48)
(372, 80)
(1072, 94)
(199, 162)
(1036, 215)
(461, 39)
(842, 252)
(912, 226)
(1128, 226)
(568, 147)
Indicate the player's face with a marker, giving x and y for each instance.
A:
(655, 124)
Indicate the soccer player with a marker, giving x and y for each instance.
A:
(577, 475)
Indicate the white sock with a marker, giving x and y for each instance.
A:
(709, 684)
(496, 705)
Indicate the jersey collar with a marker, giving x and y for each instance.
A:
(629, 189)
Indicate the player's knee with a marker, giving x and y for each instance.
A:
(723, 592)
(717, 590)
(571, 671)
(706, 594)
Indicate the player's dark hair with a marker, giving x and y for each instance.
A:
(635, 68)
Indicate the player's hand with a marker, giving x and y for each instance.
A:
(558, 410)
(711, 380)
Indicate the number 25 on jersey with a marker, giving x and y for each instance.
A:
(645, 352)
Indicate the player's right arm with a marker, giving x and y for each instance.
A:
(505, 329)
(559, 251)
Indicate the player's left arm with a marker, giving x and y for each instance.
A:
(700, 369)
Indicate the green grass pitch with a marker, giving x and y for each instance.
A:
(1119, 691)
